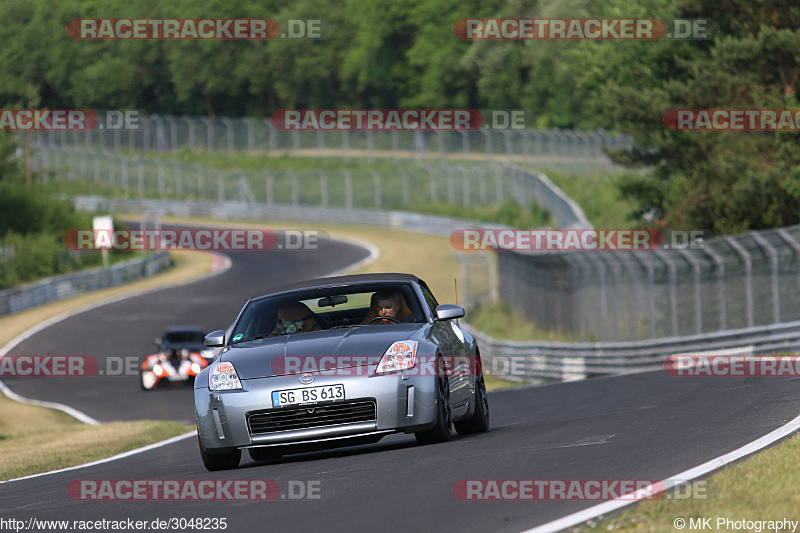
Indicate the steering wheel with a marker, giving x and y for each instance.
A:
(379, 317)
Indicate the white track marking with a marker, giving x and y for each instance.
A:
(122, 455)
(602, 509)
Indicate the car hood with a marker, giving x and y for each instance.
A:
(317, 350)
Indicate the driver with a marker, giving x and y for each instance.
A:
(295, 317)
(391, 304)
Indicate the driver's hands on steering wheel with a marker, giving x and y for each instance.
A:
(382, 318)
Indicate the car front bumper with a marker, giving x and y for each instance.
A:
(402, 403)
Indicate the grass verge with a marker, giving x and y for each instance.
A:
(764, 487)
(36, 439)
(501, 322)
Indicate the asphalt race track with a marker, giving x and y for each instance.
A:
(643, 426)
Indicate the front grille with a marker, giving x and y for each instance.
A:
(331, 414)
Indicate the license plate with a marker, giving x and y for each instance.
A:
(324, 393)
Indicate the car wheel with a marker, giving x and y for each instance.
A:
(264, 454)
(226, 461)
(441, 431)
(479, 421)
(147, 380)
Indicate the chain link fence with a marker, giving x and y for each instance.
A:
(577, 152)
(741, 281)
(402, 187)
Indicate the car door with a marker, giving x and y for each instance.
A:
(450, 340)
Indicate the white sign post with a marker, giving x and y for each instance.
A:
(104, 223)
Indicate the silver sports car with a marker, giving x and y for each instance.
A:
(336, 362)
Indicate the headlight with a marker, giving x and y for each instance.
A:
(400, 356)
(223, 377)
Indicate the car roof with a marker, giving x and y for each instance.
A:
(387, 277)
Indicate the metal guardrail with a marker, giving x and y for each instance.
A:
(60, 287)
(571, 361)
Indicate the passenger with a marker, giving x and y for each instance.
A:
(389, 303)
(293, 318)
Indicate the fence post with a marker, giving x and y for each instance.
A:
(323, 187)
(220, 187)
(162, 190)
(348, 189)
(192, 131)
(376, 180)
(406, 187)
(140, 176)
(269, 183)
(294, 187)
(251, 136)
(201, 181)
(229, 133)
(673, 288)
(434, 192)
(698, 306)
(346, 144)
(178, 180)
(748, 276)
(723, 303)
(124, 170)
(773, 263)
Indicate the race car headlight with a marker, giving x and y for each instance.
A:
(223, 377)
(401, 355)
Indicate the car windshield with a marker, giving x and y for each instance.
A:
(331, 307)
(183, 337)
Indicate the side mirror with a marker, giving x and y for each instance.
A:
(215, 339)
(449, 312)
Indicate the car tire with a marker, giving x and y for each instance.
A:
(263, 454)
(479, 421)
(441, 431)
(226, 461)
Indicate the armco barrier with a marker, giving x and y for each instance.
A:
(571, 361)
(60, 287)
